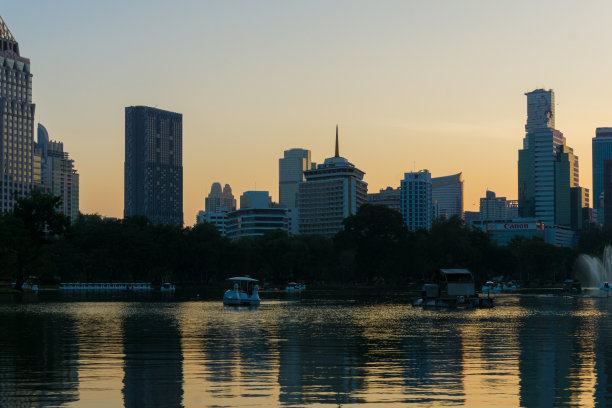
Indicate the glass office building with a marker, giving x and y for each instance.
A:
(602, 151)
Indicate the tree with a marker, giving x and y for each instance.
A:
(34, 222)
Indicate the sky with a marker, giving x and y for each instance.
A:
(435, 85)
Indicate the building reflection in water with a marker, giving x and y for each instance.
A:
(99, 335)
(320, 356)
(153, 368)
(38, 350)
(557, 358)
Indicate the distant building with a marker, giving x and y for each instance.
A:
(255, 217)
(547, 167)
(389, 197)
(154, 165)
(220, 200)
(602, 151)
(291, 170)
(331, 192)
(470, 216)
(607, 192)
(416, 204)
(579, 208)
(55, 172)
(501, 232)
(16, 121)
(218, 219)
(448, 193)
(255, 199)
(497, 208)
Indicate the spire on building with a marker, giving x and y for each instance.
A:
(337, 149)
(5, 33)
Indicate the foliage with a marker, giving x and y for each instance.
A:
(374, 248)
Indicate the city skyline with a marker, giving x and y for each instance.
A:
(279, 76)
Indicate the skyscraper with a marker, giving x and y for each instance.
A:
(547, 167)
(331, 192)
(602, 151)
(16, 121)
(417, 207)
(153, 165)
(58, 175)
(448, 193)
(291, 170)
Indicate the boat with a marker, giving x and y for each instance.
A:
(167, 287)
(605, 286)
(491, 287)
(100, 286)
(245, 292)
(295, 287)
(451, 288)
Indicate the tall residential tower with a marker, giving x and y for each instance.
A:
(154, 165)
(16, 121)
(602, 151)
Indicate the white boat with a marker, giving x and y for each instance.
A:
(100, 286)
(167, 287)
(295, 287)
(245, 291)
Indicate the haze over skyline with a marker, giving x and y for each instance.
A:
(422, 85)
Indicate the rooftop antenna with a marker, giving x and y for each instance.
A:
(337, 149)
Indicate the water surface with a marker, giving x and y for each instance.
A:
(528, 351)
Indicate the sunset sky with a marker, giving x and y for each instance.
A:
(412, 85)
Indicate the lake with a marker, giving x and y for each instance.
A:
(530, 350)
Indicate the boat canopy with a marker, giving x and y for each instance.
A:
(242, 279)
(292, 283)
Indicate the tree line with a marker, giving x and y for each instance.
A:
(374, 248)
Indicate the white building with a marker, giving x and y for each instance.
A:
(218, 219)
(291, 170)
(255, 217)
(417, 208)
(448, 193)
(331, 192)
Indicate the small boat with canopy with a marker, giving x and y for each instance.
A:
(245, 292)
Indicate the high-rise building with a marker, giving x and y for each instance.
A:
(547, 167)
(602, 150)
(58, 175)
(16, 121)
(389, 197)
(448, 193)
(227, 198)
(497, 208)
(220, 200)
(291, 170)
(331, 192)
(154, 165)
(417, 208)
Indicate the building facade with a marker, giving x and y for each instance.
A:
(331, 192)
(255, 217)
(58, 175)
(218, 219)
(291, 170)
(219, 200)
(602, 151)
(497, 208)
(153, 184)
(389, 197)
(16, 121)
(447, 192)
(547, 167)
(416, 204)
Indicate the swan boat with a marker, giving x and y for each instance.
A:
(245, 292)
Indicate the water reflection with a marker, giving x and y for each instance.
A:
(528, 351)
(153, 362)
(38, 351)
